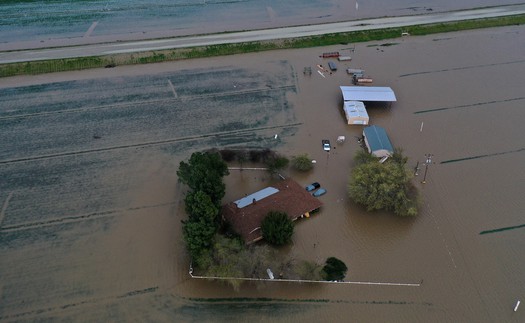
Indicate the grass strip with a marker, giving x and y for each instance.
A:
(482, 156)
(72, 64)
(503, 229)
(256, 299)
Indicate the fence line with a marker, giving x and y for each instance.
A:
(308, 281)
(247, 168)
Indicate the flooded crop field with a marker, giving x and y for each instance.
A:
(91, 207)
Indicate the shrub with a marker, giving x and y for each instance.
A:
(302, 163)
(334, 269)
(277, 228)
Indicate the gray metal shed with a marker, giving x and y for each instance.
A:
(377, 141)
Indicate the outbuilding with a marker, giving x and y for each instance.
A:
(355, 112)
(368, 94)
(377, 142)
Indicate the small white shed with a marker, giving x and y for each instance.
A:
(355, 112)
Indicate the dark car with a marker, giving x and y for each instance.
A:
(313, 186)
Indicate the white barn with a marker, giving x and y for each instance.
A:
(355, 112)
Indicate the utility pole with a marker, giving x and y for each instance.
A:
(428, 162)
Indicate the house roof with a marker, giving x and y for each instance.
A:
(377, 139)
(368, 93)
(290, 198)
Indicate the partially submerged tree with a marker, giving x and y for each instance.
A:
(199, 206)
(276, 163)
(302, 163)
(309, 270)
(277, 228)
(384, 186)
(334, 269)
(204, 175)
(204, 172)
(198, 236)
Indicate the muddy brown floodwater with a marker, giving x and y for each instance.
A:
(91, 207)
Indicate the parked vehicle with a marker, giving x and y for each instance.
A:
(326, 145)
(319, 192)
(313, 186)
(332, 66)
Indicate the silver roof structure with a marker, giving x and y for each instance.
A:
(368, 93)
(257, 196)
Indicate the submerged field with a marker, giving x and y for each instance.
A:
(91, 208)
(88, 171)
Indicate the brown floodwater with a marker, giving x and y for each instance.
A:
(474, 82)
(460, 98)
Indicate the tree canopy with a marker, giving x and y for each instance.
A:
(384, 186)
(334, 269)
(199, 206)
(302, 163)
(204, 172)
(277, 228)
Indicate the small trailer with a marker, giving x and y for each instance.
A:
(330, 54)
(344, 58)
(355, 71)
(364, 80)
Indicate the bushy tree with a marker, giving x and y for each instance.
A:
(384, 186)
(276, 163)
(302, 163)
(277, 228)
(204, 172)
(198, 236)
(308, 270)
(199, 206)
(334, 269)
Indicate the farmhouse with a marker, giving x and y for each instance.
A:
(246, 214)
(377, 141)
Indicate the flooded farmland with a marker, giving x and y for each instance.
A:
(91, 207)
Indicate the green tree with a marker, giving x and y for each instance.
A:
(308, 270)
(334, 269)
(276, 163)
(242, 157)
(205, 172)
(384, 186)
(277, 228)
(225, 260)
(363, 157)
(302, 163)
(199, 206)
(198, 236)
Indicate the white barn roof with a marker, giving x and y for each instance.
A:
(355, 112)
(257, 196)
(368, 93)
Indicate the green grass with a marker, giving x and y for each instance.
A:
(71, 64)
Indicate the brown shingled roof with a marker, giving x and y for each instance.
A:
(292, 199)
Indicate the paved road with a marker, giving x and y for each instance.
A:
(256, 35)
